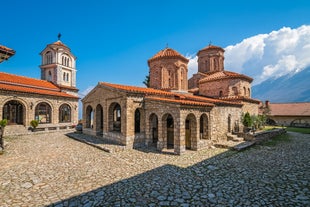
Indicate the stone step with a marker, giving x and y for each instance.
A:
(234, 137)
(243, 145)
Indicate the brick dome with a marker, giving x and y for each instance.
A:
(167, 53)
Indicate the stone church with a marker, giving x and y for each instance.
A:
(174, 112)
(52, 101)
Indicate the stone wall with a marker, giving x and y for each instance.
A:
(263, 136)
(225, 119)
(229, 88)
(298, 121)
(30, 101)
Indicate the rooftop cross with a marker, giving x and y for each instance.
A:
(59, 36)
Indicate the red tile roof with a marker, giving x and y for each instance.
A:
(167, 53)
(169, 95)
(134, 89)
(6, 50)
(183, 102)
(240, 98)
(23, 84)
(289, 109)
(213, 76)
(59, 43)
(212, 47)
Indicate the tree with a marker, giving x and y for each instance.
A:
(3, 123)
(246, 120)
(146, 82)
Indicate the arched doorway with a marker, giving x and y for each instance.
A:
(115, 115)
(137, 121)
(13, 111)
(99, 119)
(89, 117)
(190, 130)
(154, 128)
(204, 127)
(168, 123)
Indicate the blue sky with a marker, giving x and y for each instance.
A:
(114, 39)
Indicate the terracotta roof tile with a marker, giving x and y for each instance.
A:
(167, 53)
(10, 78)
(169, 95)
(213, 76)
(60, 44)
(136, 89)
(23, 84)
(180, 101)
(34, 90)
(211, 47)
(290, 109)
(240, 98)
(7, 50)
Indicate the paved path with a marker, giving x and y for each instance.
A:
(54, 170)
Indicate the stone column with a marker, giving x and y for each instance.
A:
(179, 137)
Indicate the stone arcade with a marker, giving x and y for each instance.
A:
(53, 100)
(173, 112)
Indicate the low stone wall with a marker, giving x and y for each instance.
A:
(263, 136)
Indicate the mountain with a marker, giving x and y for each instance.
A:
(289, 88)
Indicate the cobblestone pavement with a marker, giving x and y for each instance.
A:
(54, 170)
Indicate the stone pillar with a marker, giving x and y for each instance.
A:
(179, 137)
(161, 144)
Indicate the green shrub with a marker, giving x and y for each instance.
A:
(246, 120)
(3, 123)
(34, 123)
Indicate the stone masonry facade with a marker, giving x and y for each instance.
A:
(169, 115)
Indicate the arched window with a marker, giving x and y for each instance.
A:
(64, 77)
(221, 94)
(244, 91)
(249, 92)
(43, 113)
(235, 90)
(67, 78)
(64, 113)
(137, 121)
(48, 57)
(65, 60)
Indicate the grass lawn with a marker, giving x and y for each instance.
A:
(291, 129)
(300, 130)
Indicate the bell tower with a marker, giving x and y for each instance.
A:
(58, 66)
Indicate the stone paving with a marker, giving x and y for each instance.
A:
(54, 170)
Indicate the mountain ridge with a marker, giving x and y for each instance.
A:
(288, 88)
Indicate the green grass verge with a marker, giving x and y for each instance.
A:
(300, 130)
(278, 139)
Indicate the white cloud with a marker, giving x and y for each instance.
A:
(86, 91)
(266, 56)
(271, 55)
(192, 65)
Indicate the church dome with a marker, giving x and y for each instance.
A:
(167, 53)
(211, 47)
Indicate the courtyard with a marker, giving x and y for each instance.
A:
(55, 170)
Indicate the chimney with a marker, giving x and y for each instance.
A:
(267, 103)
